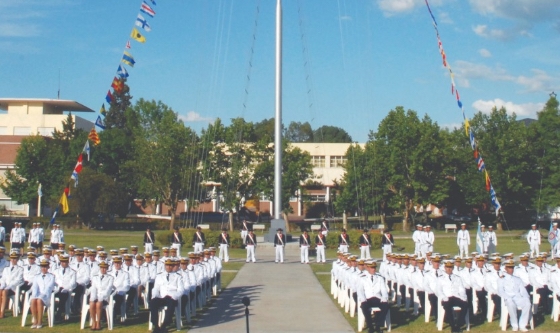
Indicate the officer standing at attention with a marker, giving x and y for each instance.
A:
(224, 244)
(534, 240)
(250, 245)
(463, 241)
(177, 241)
(374, 289)
(452, 293)
(321, 243)
(416, 238)
(168, 289)
(304, 243)
(492, 240)
(365, 244)
(244, 230)
(279, 243)
(513, 293)
(343, 241)
(149, 240)
(198, 240)
(387, 243)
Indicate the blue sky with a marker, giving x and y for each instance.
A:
(346, 63)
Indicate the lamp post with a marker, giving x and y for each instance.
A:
(246, 301)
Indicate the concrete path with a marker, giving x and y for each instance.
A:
(284, 298)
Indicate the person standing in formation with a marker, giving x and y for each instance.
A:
(343, 241)
(325, 227)
(198, 240)
(463, 241)
(244, 230)
(279, 243)
(534, 240)
(176, 241)
(224, 244)
(387, 243)
(304, 243)
(429, 239)
(484, 238)
(250, 245)
(554, 239)
(149, 240)
(321, 243)
(365, 244)
(492, 240)
(515, 296)
(417, 239)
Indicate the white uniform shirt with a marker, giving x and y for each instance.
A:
(539, 277)
(555, 280)
(491, 281)
(11, 277)
(451, 285)
(511, 287)
(29, 272)
(65, 279)
(533, 237)
(133, 275)
(463, 237)
(168, 284)
(43, 286)
(523, 272)
(2, 234)
(121, 281)
(375, 286)
(101, 287)
(83, 272)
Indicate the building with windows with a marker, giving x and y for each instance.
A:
(21, 117)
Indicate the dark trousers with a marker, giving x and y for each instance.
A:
(157, 303)
(470, 300)
(449, 318)
(433, 303)
(374, 302)
(497, 303)
(529, 289)
(118, 299)
(62, 298)
(78, 294)
(545, 302)
(132, 293)
(421, 297)
(482, 303)
(402, 290)
(16, 245)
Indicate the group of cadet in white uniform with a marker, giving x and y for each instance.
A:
(119, 276)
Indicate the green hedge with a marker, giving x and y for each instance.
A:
(212, 238)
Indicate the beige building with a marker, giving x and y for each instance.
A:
(21, 117)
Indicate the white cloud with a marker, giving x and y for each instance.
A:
(195, 117)
(538, 81)
(397, 6)
(18, 30)
(345, 18)
(485, 53)
(521, 110)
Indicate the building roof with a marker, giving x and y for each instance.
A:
(54, 104)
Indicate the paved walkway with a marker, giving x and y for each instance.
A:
(284, 298)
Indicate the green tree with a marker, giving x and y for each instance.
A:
(545, 136)
(331, 134)
(167, 156)
(264, 130)
(299, 132)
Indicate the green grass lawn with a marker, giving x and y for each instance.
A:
(114, 240)
(508, 241)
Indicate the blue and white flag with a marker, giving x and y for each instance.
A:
(145, 8)
(495, 201)
(54, 215)
(121, 71)
(479, 242)
(40, 190)
(142, 23)
(552, 236)
(99, 123)
(87, 150)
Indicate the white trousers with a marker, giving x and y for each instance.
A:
(321, 253)
(512, 305)
(417, 248)
(244, 235)
(534, 247)
(387, 248)
(304, 254)
(343, 248)
(198, 247)
(463, 249)
(178, 247)
(250, 253)
(364, 252)
(279, 249)
(148, 247)
(224, 255)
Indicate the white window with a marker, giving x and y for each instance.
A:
(19, 130)
(3, 130)
(316, 197)
(45, 131)
(318, 161)
(337, 161)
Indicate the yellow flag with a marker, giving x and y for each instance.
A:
(64, 203)
(467, 126)
(137, 36)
